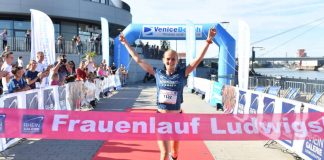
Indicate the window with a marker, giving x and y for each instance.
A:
(57, 28)
(22, 25)
(6, 24)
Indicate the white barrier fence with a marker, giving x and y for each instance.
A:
(237, 101)
(234, 100)
(71, 96)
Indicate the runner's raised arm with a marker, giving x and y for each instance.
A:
(147, 67)
(199, 58)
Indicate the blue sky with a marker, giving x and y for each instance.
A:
(264, 17)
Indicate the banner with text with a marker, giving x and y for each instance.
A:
(53, 124)
(42, 36)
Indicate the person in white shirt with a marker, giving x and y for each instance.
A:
(8, 59)
(40, 58)
(41, 67)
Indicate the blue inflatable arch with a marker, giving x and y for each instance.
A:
(226, 43)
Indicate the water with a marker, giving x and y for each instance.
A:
(291, 73)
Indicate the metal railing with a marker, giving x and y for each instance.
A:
(307, 87)
(22, 44)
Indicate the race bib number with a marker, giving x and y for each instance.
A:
(168, 97)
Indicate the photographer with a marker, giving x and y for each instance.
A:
(62, 68)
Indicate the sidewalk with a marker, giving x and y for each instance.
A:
(140, 97)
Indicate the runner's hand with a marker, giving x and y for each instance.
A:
(122, 39)
(211, 33)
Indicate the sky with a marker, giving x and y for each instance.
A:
(264, 17)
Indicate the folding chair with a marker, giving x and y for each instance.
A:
(274, 90)
(292, 93)
(260, 89)
(316, 97)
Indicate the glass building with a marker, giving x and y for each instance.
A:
(70, 18)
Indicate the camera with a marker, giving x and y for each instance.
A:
(63, 60)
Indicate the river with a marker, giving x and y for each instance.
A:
(291, 73)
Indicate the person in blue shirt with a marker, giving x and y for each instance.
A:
(17, 83)
(32, 76)
(170, 83)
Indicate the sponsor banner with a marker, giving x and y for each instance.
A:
(48, 99)
(190, 50)
(105, 39)
(2, 122)
(10, 101)
(169, 31)
(254, 103)
(241, 102)
(288, 108)
(313, 146)
(243, 52)
(269, 105)
(216, 93)
(42, 36)
(52, 124)
(32, 100)
(62, 97)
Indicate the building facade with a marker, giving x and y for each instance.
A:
(70, 18)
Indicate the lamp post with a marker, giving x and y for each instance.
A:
(253, 58)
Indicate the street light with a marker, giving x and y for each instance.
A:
(253, 57)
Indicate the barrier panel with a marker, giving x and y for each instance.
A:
(76, 125)
(252, 102)
(68, 97)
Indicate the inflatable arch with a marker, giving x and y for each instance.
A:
(226, 43)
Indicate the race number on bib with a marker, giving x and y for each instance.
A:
(166, 96)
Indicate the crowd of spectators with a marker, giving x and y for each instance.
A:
(76, 45)
(152, 51)
(16, 77)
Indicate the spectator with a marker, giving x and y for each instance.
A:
(62, 68)
(55, 79)
(17, 83)
(113, 69)
(90, 64)
(97, 44)
(123, 73)
(102, 71)
(148, 77)
(60, 44)
(74, 39)
(41, 67)
(32, 76)
(20, 62)
(7, 48)
(72, 66)
(28, 42)
(91, 40)
(40, 62)
(108, 69)
(4, 36)
(79, 46)
(146, 49)
(81, 72)
(6, 66)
